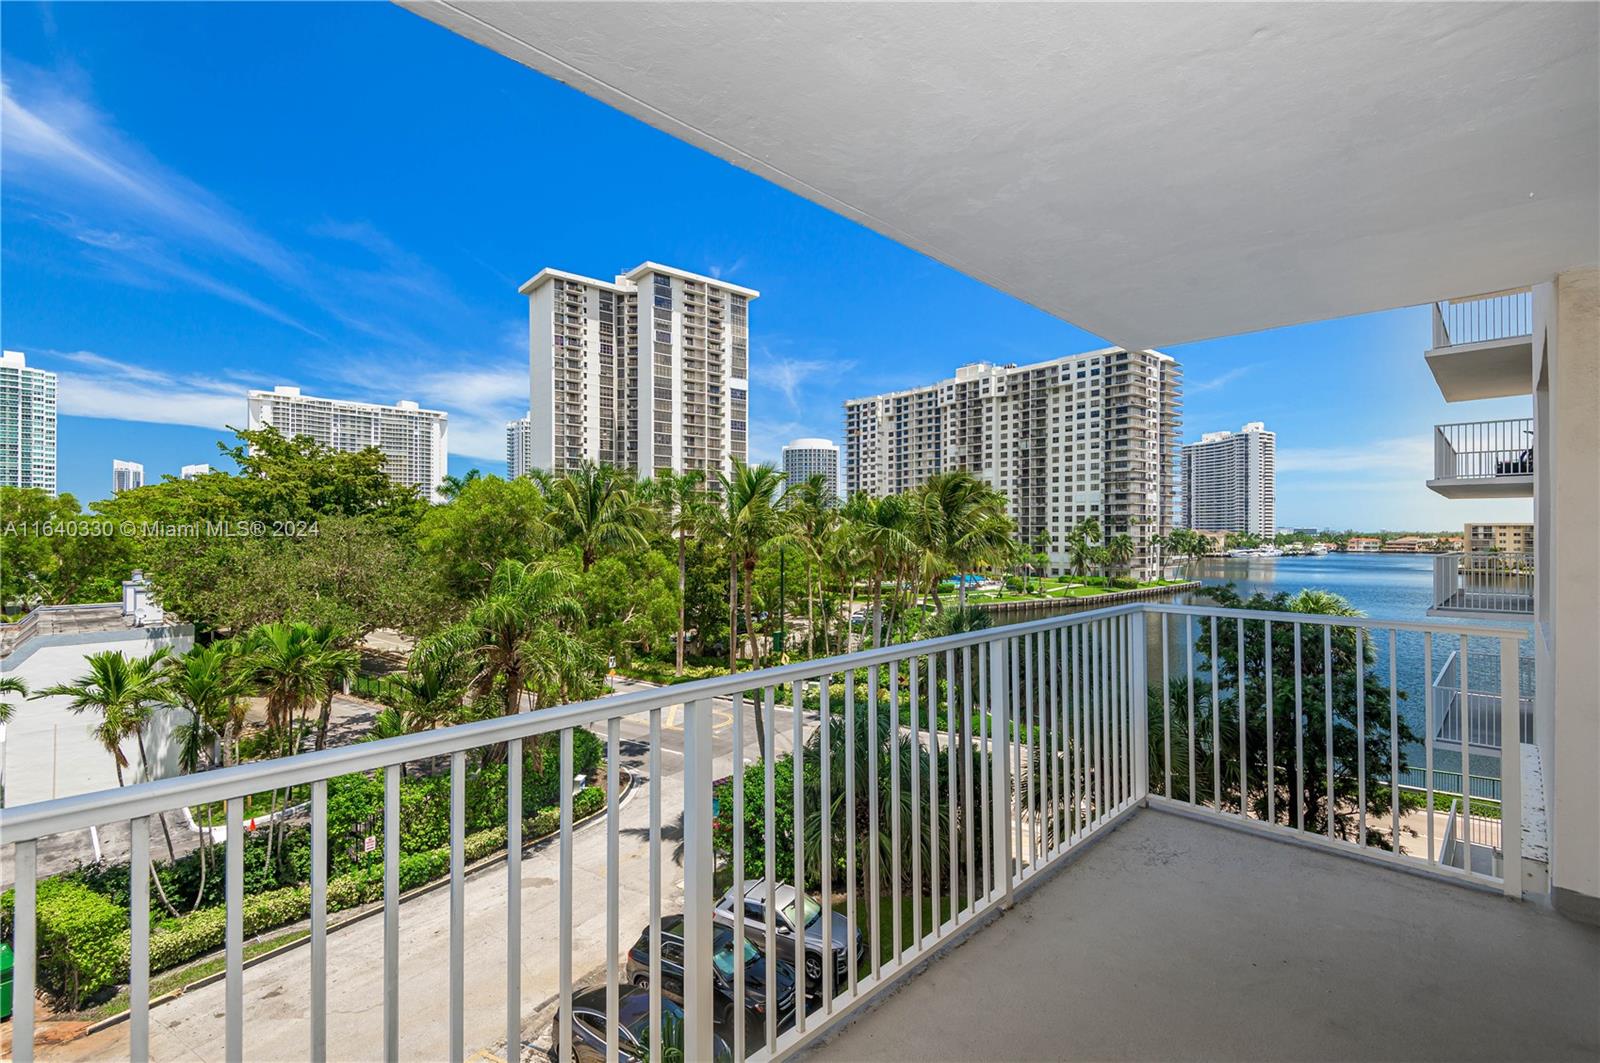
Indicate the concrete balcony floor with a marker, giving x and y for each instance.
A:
(1173, 938)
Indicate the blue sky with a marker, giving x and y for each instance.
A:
(201, 199)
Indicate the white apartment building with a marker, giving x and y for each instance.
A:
(519, 448)
(189, 472)
(648, 371)
(1087, 435)
(27, 424)
(805, 458)
(1229, 481)
(126, 475)
(414, 441)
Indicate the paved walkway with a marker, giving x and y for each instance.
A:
(277, 1024)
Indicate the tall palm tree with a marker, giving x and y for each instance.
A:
(881, 525)
(595, 508)
(121, 691)
(813, 514)
(204, 683)
(290, 664)
(751, 520)
(11, 684)
(959, 521)
(1120, 550)
(686, 511)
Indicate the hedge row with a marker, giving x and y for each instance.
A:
(84, 936)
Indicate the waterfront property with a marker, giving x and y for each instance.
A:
(1229, 481)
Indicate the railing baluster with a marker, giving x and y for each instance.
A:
(1188, 656)
(798, 719)
(24, 946)
(1327, 709)
(970, 834)
(139, 938)
(318, 975)
(1166, 711)
(614, 871)
(458, 905)
(1394, 745)
(1097, 678)
(1271, 711)
(1016, 720)
(933, 794)
(233, 888)
(654, 926)
(850, 828)
(1299, 738)
(950, 784)
(1244, 723)
(825, 817)
(1361, 737)
(1427, 741)
(514, 897)
(699, 766)
(1080, 797)
(1216, 721)
(1465, 715)
(769, 850)
(1029, 669)
(894, 810)
(1000, 709)
(914, 824)
(736, 789)
(985, 756)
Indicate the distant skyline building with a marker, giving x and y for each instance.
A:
(519, 448)
(1485, 538)
(1086, 435)
(1230, 481)
(414, 441)
(27, 424)
(189, 472)
(648, 371)
(126, 475)
(805, 458)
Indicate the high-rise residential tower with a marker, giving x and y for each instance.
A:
(414, 441)
(27, 424)
(1230, 481)
(126, 475)
(805, 458)
(648, 371)
(519, 448)
(190, 472)
(1087, 435)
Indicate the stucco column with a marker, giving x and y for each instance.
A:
(1574, 459)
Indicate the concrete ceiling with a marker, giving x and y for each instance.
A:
(1154, 173)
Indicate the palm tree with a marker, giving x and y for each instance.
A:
(958, 521)
(813, 514)
(10, 684)
(685, 506)
(204, 683)
(121, 691)
(429, 692)
(751, 520)
(881, 525)
(452, 485)
(291, 666)
(595, 508)
(1120, 550)
(520, 637)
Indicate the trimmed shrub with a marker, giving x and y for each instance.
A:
(83, 942)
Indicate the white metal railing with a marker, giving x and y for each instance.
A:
(1482, 835)
(1484, 583)
(984, 757)
(934, 778)
(1451, 690)
(1309, 743)
(1483, 450)
(1497, 316)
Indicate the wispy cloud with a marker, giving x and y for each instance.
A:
(1221, 380)
(1409, 453)
(111, 388)
(789, 375)
(718, 270)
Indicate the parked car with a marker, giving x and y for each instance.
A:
(754, 908)
(722, 970)
(633, 1026)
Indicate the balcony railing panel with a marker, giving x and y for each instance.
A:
(967, 765)
(1483, 450)
(1499, 316)
(1499, 584)
(1483, 713)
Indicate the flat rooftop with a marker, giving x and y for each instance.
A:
(1173, 938)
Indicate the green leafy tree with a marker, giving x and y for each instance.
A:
(596, 508)
(488, 520)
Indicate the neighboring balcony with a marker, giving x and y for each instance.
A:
(1483, 346)
(1483, 586)
(1484, 459)
(1482, 696)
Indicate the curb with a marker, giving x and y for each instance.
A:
(629, 785)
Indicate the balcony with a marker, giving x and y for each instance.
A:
(1484, 459)
(1097, 804)
(1483, 713)
(1483, 346)
(1483, 586)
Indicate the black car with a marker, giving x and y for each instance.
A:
(722, 970)
(633, 1026)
